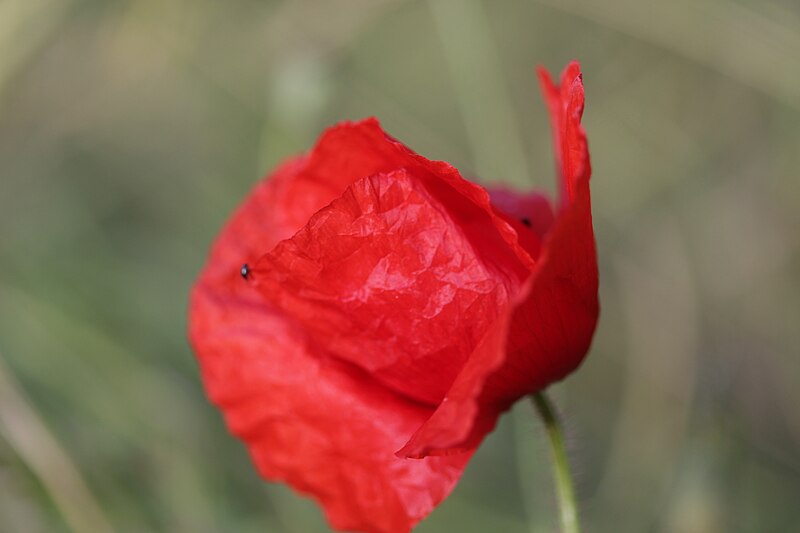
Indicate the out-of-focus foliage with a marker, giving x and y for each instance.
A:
(130, 129)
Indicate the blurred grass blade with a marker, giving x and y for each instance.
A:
(474, 64)
(24, 26)
(21, 426)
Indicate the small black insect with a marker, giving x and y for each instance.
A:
(245, 271)
(525, 221)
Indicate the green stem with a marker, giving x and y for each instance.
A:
(566, 493)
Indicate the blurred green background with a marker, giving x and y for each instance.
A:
(130, 129)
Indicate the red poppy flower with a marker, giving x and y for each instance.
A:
(390, 312)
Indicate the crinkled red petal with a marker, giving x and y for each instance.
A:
(320, 425)
(546, 332)
(395, 279)
(354, 150)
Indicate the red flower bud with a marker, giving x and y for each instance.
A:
(367, 314)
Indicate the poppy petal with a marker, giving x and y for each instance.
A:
(547, 330)
(531, 215)
(565, 102)
(316, 423)
(391, 278)
(533, 210)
